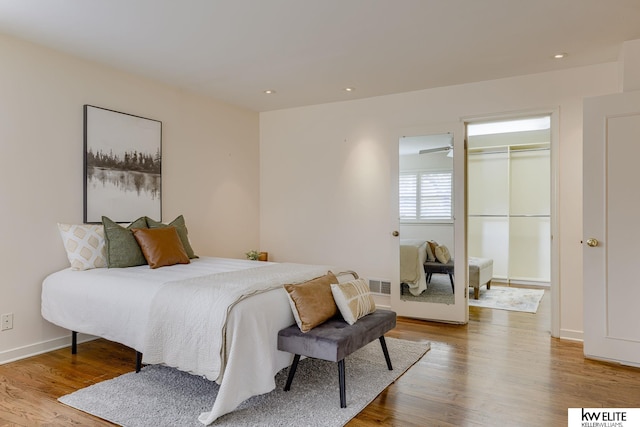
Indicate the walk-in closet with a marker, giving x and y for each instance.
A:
(509, 203)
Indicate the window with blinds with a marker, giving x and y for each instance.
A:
(425, 196)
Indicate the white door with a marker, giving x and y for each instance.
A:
(444, 151)
(611, 227)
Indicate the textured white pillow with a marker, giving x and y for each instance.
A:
(353, 299)
(84, 244)
(442, 254)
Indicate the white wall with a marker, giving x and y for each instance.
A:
(210, 171)
(328, 171)
(629, 66)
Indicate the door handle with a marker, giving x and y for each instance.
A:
(592, 242)
(395, 233)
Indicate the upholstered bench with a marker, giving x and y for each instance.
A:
(480, 272)
(334, 340)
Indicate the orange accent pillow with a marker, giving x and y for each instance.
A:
(312, 302)
(161, 246)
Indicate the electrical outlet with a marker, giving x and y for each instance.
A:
(6, 322)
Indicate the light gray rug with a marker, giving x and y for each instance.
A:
(438, 291)
(161, 396)
(508, 298)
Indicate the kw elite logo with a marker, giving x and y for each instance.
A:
(604, 417)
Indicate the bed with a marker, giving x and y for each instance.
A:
(168, 314)
(413, 254)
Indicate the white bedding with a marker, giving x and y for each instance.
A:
(116, 304)
(413, 254)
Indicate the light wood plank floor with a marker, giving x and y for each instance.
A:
(500, 369)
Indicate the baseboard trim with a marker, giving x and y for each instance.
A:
(521, 283)
(571, 335)
(20, 353)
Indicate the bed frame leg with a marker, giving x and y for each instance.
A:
(138, 361)
(74, 342)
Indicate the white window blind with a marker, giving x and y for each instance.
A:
(408, 199)
(425, 196)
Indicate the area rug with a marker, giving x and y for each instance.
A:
(508, 298)
(438, 291)
(161, 396)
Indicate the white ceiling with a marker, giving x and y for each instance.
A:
(309, 50)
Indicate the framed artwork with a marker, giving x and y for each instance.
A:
(122, 166)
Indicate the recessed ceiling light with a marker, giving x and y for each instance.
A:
(560, 55)
(269, 91)
(349, 89)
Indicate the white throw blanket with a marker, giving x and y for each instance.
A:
(413, 254)
(188, 317)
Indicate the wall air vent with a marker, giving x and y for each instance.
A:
(385, 287)
(378, 286)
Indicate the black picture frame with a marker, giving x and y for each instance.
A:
(122, 166)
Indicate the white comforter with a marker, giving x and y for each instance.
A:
(116, 304)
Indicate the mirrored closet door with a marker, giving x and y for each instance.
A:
(432, 281)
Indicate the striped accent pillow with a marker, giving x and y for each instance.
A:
(354, 299)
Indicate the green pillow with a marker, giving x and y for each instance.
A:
(122, 248)
(181, 228)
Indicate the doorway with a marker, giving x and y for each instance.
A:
(511, 200)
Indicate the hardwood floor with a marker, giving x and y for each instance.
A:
(500, 369)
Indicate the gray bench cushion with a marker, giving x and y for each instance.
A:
(335, 339)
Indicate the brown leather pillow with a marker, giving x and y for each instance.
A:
(161, 246)
(312, 302)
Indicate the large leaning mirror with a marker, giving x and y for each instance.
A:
(426, 219)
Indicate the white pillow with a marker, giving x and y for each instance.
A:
(85, 245)
(353, 299)
(442, 254)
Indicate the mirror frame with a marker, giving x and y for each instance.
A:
(451, 313)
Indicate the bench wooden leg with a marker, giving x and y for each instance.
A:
(343, 392)
(292, 372)
(476, 292)
(383, 344)
(489, 284)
